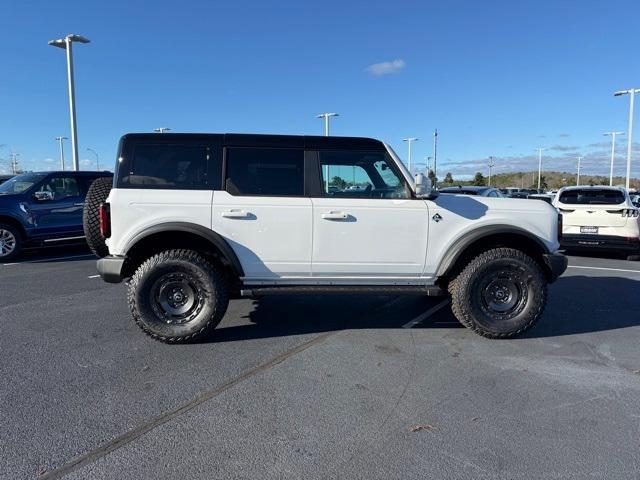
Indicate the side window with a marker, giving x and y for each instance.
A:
(180, 167)
(265, 171)
(61, 187)
(351, 174)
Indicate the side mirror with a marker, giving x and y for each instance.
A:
(423, 187)
(43, 196)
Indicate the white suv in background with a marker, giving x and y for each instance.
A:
(599, 218)
(195, 219)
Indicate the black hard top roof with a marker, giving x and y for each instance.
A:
(261, 140)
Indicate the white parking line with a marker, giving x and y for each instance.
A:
(93, 276)
(86, 255)
(423, 316)
(603, 268)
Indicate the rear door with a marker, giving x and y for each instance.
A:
(366, 225)
(263, 213)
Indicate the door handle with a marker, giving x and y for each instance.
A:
(335, 216)
(235, 214)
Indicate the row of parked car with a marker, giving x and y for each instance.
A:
(45, 209)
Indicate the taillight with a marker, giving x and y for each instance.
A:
(559, 226)
(105, 220)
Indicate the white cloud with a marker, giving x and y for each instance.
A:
(385, 68)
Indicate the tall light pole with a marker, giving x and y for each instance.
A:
(578, 176)
(632, 94)
(435, 157)
(540, 149)
(613, 152)
(96, 154)
(161, 129)
(428, 162)
(410, 140)
(14, 162)
(66, 43)
(61, 141)
(326, 117)
(490, 165)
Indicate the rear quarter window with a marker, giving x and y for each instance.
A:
(180, 167)
(592, 197)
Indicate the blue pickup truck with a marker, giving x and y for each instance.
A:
(42, 209)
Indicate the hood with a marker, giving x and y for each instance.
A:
(9, 198)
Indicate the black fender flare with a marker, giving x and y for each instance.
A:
(461, 244)
(206, 233)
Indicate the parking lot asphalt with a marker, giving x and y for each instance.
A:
(317, 387)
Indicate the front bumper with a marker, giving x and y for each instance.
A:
(611, 243)
(556, 264)
(110, 268)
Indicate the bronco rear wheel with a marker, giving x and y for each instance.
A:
(501, 293)
(177, 296)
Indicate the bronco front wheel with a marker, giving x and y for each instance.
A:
(500, 293)
(177, 296)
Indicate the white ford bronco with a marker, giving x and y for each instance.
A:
(194, 220)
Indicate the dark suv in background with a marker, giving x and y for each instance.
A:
(42, 209)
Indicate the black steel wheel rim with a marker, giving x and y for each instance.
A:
(177, 298)
(503, 294)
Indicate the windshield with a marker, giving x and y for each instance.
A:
(592, 197)
(20, 183)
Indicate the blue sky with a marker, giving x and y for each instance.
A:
(495, 77)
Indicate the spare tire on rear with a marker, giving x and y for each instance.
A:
(97, 194)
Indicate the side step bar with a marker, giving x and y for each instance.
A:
(429, 291)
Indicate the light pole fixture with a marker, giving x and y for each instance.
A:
(326, 117)
(161, 129)
(491, 164)
(61, 141)
(539, 149)
(578, 176)
(66, 43)
(613, 152)
(409, 141)
(96, 154)
(632, 94)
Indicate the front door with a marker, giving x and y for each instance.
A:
(56, 207)
(366, 226)
(263, 213)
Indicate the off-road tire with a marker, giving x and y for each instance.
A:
(148, 287)
(474, 293)
(96, 195)
(17, 242)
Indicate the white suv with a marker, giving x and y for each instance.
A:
(599, 218)
(195, 219)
